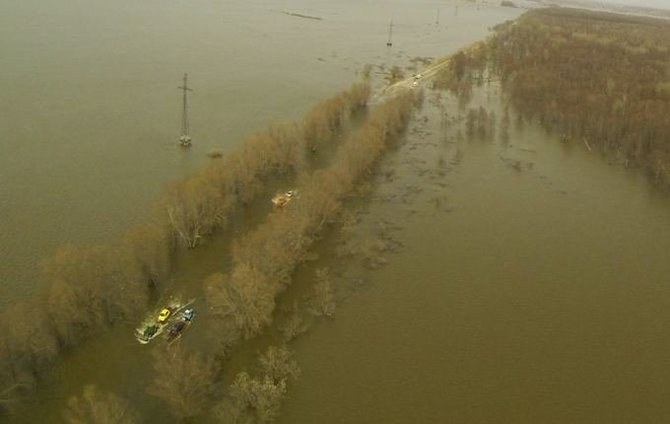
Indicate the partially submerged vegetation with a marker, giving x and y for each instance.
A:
(88, 289)
(243, 302)
(94, 406)
(203, 203)
(594, 78)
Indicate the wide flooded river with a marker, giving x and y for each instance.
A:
(527, 279)
(91, 110)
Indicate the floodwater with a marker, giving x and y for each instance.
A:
(91, 111)
(532, 287)
(528, 285)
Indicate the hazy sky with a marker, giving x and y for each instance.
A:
(662, 4)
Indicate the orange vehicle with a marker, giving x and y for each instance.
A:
(282, 199)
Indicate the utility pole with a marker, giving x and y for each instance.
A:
(185, 139)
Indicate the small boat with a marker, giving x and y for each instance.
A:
(156, 322)
(281, 199)
(177, 328)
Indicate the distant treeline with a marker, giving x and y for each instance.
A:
(596, 78)
(85, 289)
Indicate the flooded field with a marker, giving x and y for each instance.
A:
(478, 277)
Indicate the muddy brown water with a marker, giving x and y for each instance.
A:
(527, 281)
(525, 294)
(91, 110)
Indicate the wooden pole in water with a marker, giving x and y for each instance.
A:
(437, 21)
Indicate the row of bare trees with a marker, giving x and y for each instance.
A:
(85, 289)
(202, 203)
(188, 381)
(241, 303)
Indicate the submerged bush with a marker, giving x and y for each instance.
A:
(184, 380)
(96, 407)
(257, 399)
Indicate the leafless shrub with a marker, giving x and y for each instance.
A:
(278, 364)
(184, 380)
(242, 303)
(195, 207)
(251, 400)
(96, 407)
(257, 399)
(358, 94)
(293, 327)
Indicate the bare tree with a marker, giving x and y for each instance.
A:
(194, 208)
(243, 300)
(184, 380)
(257, 399)
(96, 407)
(27, 338)
(251, 400)
(277, 363)
(88, 288)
